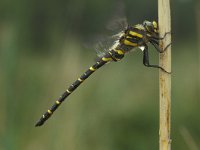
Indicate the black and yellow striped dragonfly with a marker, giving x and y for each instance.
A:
(137, 36)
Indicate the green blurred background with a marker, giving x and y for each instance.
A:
(43, 50)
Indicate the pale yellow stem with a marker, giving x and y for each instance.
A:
(164, 18)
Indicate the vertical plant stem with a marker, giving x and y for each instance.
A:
(164, 20)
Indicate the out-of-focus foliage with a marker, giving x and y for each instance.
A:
(43, 24)
(42, 51)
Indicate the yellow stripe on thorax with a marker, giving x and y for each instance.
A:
(135, 34)
(128, 37)
(126, 42)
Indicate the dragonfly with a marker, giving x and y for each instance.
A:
(133, 36)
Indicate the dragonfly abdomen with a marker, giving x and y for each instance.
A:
(107, 58)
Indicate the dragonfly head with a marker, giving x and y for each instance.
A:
(151, 27)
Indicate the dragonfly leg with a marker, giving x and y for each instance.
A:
(146, 61)
(161, 38)
(166, 48)
(158, 48)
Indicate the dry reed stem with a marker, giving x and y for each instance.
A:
(164, 78)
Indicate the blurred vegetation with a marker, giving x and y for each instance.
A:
(42, 52)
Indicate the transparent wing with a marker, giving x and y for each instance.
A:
(116, 27)
(104, 44)
(118, 20)
(117, 24)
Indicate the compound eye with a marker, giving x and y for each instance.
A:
(155, 25)
(145, 23)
